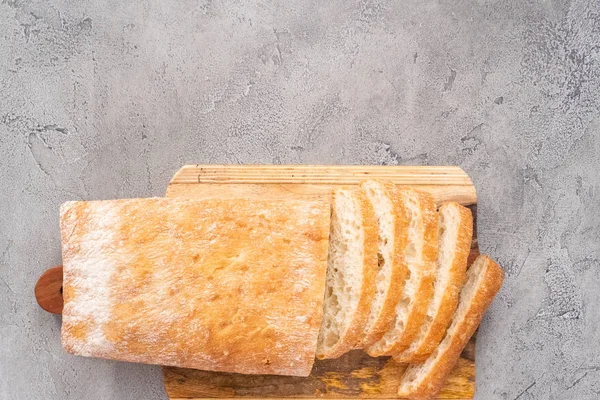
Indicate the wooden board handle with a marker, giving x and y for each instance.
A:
(48, 290)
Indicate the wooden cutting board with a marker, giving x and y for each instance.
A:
(354, 374)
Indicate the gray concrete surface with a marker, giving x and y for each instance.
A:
(108, 99)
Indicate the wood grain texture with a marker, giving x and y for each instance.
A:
(48, 290)
(354, 375)
(309, 181)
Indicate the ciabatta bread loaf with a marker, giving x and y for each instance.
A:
(351, 271)
(420, 255)
(225, 285)
(424, 380)
(392, 223)
(456, 232)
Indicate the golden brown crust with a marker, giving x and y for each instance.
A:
(352, 338)
(398, 276)
(226, 285)
(441, 363)
(456, 280)
(424, 292)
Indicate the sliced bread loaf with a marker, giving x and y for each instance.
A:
(351, 271)
(420, 254)
(456, 231)
(230, 285)
(391, 274)
(424, 381)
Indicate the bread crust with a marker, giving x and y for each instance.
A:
(352, 337)
(439, 365)
(456, 280)
(230, 285)
(399, 270)
(424, 289)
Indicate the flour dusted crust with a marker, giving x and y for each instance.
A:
(230, 285)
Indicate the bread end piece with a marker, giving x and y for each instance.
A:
(425, 380)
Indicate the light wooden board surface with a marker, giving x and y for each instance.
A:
(354, 375)
(309, 181)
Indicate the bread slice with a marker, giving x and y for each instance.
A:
(456, 232)
(391, 273)
(420, 253)
(351, 270)
(424, 381)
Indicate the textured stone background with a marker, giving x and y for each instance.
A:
(109, 99)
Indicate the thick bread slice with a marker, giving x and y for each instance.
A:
(420, 254)
(233, 285)
(391, 275)
(424, 381)
(351, 270)
(456, 232)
